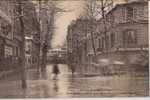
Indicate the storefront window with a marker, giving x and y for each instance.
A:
(8, 51)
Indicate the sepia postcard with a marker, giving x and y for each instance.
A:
(74, 48)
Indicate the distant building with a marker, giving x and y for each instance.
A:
(79, 41)
(57, 54)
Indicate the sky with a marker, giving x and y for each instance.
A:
(62, 21)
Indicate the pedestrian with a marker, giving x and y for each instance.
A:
(55, 70)
(72, 68)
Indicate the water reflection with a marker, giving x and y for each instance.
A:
(55, 86)
(77, 86)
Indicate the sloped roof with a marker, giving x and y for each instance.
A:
(126, 4)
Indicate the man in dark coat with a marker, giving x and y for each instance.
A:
(55, 69)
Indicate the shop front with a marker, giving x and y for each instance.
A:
(9, 52)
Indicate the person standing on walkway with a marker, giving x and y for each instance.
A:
(72, 66)
(55, 70)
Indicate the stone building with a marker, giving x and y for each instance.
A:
(9, 38)
(79, 38)
(10, 30)
(122, 39)
(77, 32)
(72, 42)
(126, 27)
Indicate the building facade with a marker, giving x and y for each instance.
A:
(10, 30)
(126, 27)
(9, 37)
(121, 37)
(32, 34)
(75, 39)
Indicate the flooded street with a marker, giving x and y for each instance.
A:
(74, 86)
(91, 48)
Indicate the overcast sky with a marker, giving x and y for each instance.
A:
(64, 20)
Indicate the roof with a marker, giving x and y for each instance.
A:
(127, 4)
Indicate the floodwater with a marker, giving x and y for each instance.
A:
(67, 86)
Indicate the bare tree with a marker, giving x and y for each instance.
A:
(51, 9)
(22, 51)
(105, 6)
(96, 9)
(91, 15)
(48, 9)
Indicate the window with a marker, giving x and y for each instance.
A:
(1, 48)
(124, 14)
(17, 51)
(103, 43)
(129, 37)
(107, 41)
(141, 11)
(135, 13)
(112, 36)
(99, 43)
(8, 51)
(130, 13)
(110, 18)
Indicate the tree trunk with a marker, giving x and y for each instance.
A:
(48, 37)
(22, 48)
(39, 48)
(92, 40)
(44, 58)
(93, 44)
(38, 60)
